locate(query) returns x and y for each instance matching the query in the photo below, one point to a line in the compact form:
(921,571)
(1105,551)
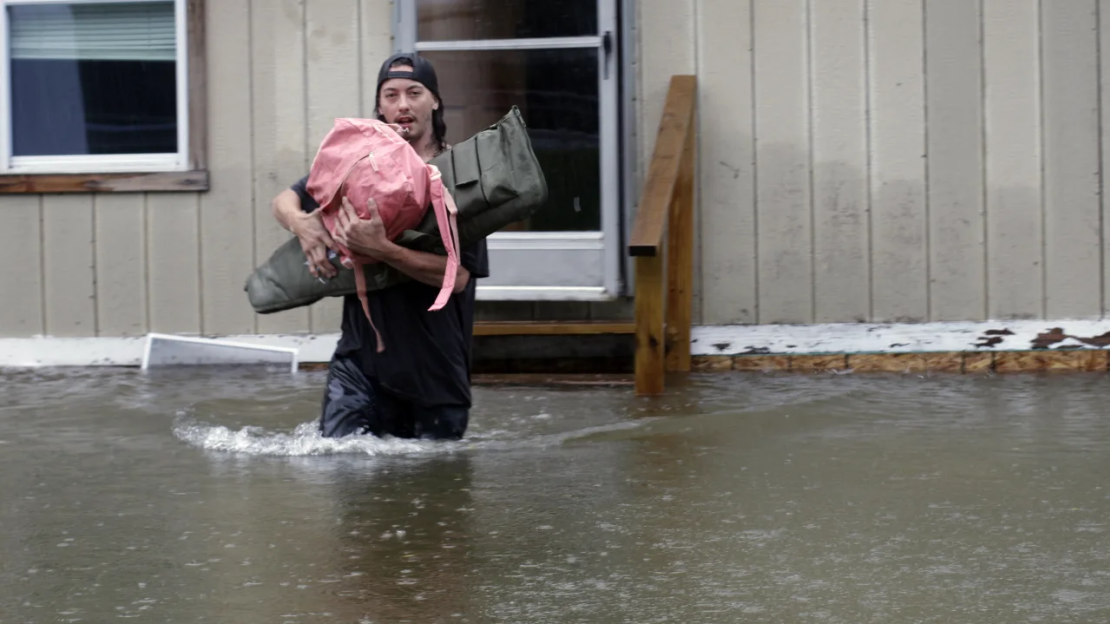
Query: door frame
(629,135)
(617,157)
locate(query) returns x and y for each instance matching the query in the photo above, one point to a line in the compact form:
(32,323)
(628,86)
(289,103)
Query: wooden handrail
(663,315)
(663,172)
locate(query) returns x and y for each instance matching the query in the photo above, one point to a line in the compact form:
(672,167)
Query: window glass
(465,20)
(93,79)
(557,93)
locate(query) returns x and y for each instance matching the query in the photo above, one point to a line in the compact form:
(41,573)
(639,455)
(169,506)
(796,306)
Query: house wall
(893,160)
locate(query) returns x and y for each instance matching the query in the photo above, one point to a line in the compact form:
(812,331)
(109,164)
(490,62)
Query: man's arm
(286,207)
(422,266)
(309,228)
(367,237)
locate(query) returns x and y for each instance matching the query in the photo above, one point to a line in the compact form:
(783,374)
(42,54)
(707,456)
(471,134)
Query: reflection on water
(201,496)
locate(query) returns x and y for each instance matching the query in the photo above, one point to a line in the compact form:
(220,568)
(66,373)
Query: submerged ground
(205,496)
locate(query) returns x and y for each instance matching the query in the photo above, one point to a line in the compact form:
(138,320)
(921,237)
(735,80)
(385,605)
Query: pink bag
(365,158)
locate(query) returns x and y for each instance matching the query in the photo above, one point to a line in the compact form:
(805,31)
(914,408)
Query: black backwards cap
(422,72)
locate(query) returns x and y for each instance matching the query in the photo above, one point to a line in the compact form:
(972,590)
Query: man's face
(408,104)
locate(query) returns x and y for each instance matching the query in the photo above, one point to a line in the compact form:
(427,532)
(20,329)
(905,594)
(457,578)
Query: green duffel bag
(495,179)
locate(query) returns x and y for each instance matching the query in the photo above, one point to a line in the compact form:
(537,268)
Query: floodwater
(206,496)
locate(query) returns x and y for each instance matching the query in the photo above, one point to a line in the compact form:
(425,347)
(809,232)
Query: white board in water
(168,350)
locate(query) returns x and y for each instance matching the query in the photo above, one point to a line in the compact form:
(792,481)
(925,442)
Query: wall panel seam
(699,280)
(146,261)
(95,268)
(758,312)
(930,313)
(983,164)
(200,263)
(42,265)
(361,59)
(810,163)
(304,107)
(1040,74)
(250,143)
(1101,161)
(870,159)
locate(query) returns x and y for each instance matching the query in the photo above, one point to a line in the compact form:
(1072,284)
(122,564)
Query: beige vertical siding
(727,168)
(69,265)
(915,159)
(21,271)
(954,122)
(1072,213)
(173,272)
(860,160)
(1015,209)
(226,211)
(838,113)
(784,244)
(119,228)
(899,270)
(1104,136)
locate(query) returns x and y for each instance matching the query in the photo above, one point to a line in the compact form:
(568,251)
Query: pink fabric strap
(446,212)
(360,284)
(446,217)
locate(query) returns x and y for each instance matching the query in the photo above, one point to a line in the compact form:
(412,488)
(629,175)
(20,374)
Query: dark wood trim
(551,379)
(105,182)
(198,86)
(551,328)
(195,180)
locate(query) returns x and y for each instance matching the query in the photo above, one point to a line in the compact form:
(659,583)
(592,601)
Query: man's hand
(315,241)
(366,237)
(309,230)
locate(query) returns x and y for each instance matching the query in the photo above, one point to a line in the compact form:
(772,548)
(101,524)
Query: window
(100,95)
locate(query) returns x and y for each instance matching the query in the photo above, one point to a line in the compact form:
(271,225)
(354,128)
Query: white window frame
(96,163)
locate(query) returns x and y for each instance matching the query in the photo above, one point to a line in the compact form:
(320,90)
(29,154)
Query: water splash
(304,440)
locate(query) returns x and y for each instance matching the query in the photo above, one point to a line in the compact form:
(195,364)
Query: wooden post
(650,360)
(680,258)
(666,209)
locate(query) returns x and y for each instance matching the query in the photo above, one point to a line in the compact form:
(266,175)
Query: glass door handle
(607,50)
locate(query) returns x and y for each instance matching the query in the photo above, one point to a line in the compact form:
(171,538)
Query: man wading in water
(420,386)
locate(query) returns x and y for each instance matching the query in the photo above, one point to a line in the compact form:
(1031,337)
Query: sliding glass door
(557,62)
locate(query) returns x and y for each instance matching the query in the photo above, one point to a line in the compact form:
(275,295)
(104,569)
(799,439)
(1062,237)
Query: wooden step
(555,379)
(552,328)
